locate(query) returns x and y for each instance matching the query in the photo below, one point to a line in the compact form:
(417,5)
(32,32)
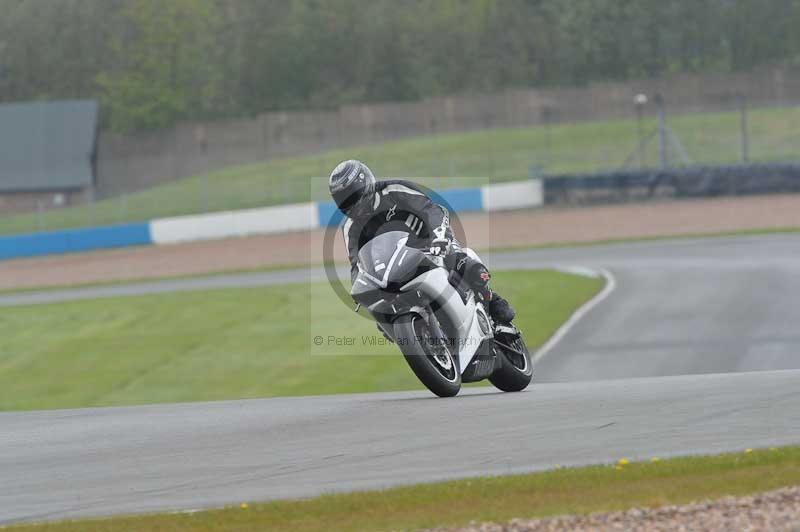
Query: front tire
(428,355)
(516,370)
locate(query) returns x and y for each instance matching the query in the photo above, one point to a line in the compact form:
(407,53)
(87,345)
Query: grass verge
(560,491)
(226,344)
(462,159)
(137,280)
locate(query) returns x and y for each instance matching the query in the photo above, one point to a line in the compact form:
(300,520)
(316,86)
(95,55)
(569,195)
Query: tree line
(153,62)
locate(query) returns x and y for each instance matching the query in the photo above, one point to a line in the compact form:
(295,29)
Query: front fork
(502,331)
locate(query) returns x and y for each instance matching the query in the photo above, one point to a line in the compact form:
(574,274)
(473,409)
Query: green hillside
(443,161)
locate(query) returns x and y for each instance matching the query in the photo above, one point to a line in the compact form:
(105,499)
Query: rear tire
(516,371)
(428,355)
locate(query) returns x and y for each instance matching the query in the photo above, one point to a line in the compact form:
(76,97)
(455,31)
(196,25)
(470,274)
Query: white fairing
(435,284)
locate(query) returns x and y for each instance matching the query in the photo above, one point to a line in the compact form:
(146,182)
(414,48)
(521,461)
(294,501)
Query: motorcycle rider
(374,207)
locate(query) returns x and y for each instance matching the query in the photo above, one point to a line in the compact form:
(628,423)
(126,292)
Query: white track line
(611,284)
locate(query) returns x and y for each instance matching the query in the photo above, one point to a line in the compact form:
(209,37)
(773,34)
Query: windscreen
(374,257)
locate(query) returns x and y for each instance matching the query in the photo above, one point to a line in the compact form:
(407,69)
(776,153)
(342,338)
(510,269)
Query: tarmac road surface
(665,365)
(58,464)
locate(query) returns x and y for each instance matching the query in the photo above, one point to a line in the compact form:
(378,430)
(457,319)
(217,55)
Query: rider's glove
(440,246)
(442,240)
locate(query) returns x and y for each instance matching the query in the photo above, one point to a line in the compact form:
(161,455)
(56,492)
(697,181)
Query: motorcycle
(445,334)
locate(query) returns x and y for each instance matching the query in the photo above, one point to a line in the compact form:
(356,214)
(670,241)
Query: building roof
(47,145)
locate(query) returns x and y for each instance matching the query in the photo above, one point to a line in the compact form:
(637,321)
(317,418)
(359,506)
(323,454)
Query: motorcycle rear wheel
(428,354)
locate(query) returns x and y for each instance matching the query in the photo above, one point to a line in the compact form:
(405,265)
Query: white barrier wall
(515,195)
(269,220)
(305,216)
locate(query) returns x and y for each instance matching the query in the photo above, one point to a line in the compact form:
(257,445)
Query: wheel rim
(437,352)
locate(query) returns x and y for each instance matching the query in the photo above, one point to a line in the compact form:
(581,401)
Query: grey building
(47,154)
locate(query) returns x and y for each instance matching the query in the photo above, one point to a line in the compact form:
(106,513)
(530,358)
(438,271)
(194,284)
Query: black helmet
(350,181)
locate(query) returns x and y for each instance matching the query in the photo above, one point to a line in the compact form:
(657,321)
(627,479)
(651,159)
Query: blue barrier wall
(489,197)
(328,214)
(74,240)
(459,199)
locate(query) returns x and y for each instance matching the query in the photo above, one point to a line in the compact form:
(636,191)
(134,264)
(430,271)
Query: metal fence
(682,121)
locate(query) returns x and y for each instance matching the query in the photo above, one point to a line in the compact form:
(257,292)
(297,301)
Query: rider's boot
(499,309)
(477,277)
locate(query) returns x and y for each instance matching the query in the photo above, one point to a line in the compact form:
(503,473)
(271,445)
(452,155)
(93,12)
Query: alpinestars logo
(391,213)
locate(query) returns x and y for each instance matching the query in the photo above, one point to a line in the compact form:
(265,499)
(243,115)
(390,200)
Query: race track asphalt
(665,365)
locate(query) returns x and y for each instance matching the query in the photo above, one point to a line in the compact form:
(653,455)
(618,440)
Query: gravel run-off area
(774,511)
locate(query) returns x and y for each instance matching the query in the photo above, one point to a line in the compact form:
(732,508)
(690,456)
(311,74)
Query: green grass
(225,344)
(467,158)
(499,499)
(135,280)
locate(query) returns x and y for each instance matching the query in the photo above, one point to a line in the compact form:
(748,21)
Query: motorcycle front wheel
(428,354)
(516,370)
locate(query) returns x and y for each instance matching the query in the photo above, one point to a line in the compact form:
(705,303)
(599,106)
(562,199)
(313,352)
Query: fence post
(547,116)
(39,215)
(639,102)
(206,194)
(124,201)
(743,134)
(94,210)
(662,132)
